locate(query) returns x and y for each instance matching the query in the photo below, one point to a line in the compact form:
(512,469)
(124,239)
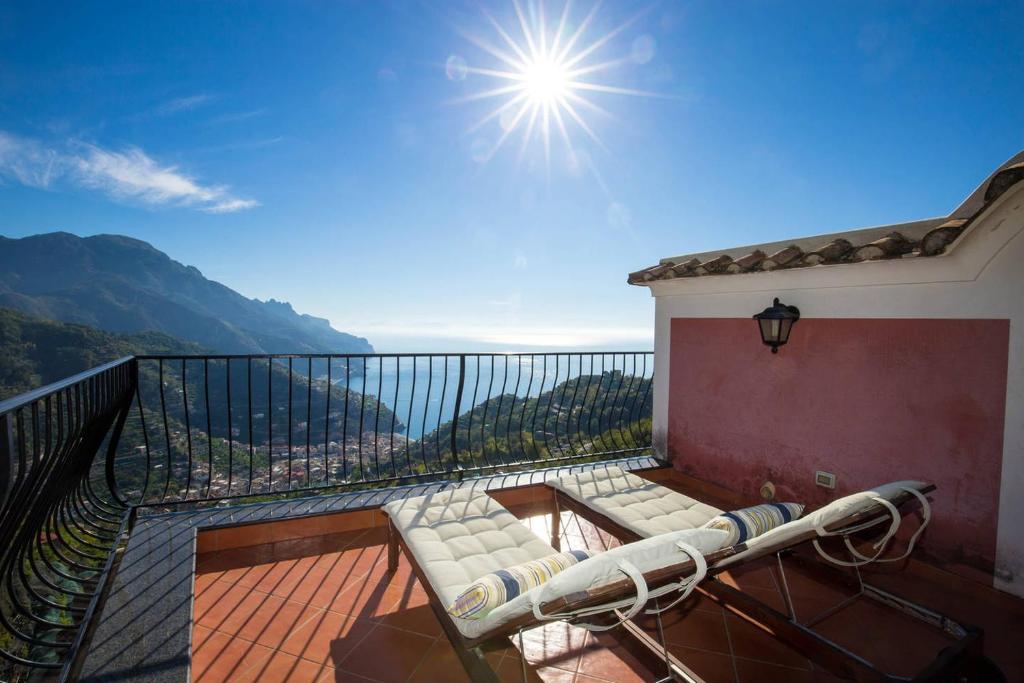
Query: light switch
(825,479)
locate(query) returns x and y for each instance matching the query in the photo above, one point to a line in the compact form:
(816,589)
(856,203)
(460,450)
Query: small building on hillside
(907,362)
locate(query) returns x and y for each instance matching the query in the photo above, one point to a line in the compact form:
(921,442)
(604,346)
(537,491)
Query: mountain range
(123,285)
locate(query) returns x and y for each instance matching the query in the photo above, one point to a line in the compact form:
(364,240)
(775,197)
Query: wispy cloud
(180,104)
(26,162)
(124,175)
(236,117)
(243,144)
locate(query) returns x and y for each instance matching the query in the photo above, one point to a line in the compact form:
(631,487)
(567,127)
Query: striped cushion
(748,523)
(497,588)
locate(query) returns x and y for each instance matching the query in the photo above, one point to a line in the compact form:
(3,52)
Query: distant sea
(431,400)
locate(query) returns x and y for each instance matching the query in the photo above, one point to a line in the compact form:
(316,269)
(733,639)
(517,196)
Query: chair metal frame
(801,636)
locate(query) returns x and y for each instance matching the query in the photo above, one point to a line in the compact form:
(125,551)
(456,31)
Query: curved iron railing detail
(60,518)
(78,456)
(223,427)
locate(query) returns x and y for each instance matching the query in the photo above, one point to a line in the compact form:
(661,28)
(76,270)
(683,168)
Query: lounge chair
(454,537)
(630,508)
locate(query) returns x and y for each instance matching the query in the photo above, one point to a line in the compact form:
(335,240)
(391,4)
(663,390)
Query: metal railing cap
(29,397)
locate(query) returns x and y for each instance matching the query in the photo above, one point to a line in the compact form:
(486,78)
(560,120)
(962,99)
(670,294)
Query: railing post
(115,436)
(458,407)
(6,459)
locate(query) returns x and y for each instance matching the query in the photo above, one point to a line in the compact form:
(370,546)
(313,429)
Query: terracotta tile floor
(325,609)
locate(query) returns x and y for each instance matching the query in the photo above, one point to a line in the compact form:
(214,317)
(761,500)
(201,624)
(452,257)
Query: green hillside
(588,414)
(34,351)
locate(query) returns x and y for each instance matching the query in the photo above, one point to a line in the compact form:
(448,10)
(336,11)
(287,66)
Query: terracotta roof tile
(714,266)
(917,239)
(892,245)
(655,272)
(1003,180)
(686,268)
(833,252)
(747,263)
(783,258)
(936,240)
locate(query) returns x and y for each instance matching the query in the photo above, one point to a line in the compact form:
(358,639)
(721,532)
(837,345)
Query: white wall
(982,277)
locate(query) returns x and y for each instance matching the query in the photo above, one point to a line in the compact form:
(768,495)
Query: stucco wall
(870,400)
(982,279)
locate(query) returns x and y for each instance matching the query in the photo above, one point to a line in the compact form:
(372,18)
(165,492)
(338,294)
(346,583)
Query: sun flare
(546,81)
(543,76)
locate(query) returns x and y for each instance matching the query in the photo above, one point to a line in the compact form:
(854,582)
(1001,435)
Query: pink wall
(869,400)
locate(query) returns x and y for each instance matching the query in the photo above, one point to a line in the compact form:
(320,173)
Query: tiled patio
(323,608)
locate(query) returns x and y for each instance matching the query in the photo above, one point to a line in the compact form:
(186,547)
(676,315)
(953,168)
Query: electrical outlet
(825,479)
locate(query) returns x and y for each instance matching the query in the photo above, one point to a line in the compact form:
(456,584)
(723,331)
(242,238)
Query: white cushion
(492,590)
(646,555)
(750,522)
(603,568)
(457,536)
(647,508)
(823,517)
(639,505)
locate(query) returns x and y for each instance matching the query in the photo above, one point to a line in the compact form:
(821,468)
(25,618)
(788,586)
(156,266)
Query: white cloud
(231,205)
(27,162)
(237,117)
(179,104)
(130,175)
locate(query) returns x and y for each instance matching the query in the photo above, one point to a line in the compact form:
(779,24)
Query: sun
(545,81)
(543,75)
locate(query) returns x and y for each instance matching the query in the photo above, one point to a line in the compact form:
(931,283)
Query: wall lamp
(775,323)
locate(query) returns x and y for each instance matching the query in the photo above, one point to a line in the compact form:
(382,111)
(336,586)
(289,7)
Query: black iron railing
(79,456)
(59,521)
(217,427)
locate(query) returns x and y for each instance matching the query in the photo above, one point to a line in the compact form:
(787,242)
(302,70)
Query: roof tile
(1003,180)
(936,241)
(833,252)
(746,263)
(782,258)
(685,269)
(715,265)
(892,245)
(657,271)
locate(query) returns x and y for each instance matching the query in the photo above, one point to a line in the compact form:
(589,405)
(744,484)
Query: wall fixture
(775,323)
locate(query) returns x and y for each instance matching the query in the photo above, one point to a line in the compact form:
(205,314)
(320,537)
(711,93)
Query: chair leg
(476,665)
(652,653)
(392,547)
(556,522)
(472,657)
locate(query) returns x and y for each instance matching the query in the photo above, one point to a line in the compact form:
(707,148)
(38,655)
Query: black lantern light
(776,322)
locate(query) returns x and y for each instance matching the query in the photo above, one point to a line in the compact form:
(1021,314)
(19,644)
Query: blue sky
(321,153)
